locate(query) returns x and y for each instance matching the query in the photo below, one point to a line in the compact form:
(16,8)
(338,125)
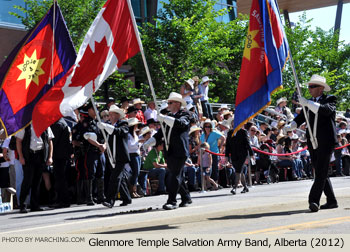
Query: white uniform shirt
(36,143)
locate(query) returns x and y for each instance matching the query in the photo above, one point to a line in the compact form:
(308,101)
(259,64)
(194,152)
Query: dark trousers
(96,163)
(61,186)
(176,180)
(32,173)
(207,111)
(320,159)
(118,183)
(215,168)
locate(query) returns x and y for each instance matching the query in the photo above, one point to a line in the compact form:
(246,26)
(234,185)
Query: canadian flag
(110,41)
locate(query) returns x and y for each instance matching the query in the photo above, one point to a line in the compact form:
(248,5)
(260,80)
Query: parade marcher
(80,152)
(118,132)
(62,150)
(95,159)
(177,126)
(238,148)
(321,111)
(35,153)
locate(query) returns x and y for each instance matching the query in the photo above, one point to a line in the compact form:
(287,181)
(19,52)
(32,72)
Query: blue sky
(325,19)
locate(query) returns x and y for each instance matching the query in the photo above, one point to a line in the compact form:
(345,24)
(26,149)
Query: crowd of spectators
(78,167)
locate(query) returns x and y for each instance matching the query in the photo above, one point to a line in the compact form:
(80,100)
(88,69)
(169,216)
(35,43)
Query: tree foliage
(189,39)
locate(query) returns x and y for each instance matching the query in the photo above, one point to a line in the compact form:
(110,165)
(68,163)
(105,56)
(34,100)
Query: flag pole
(146,67)
(109,153)
(297,84)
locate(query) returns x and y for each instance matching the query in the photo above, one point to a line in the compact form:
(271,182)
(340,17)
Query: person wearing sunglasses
(321,111)
(177,126)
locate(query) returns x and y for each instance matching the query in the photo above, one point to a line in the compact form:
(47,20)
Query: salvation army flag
(32,68)
(110,41)
(265,54)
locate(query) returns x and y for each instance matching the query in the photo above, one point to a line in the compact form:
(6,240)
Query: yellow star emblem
(250,43)
(31,69)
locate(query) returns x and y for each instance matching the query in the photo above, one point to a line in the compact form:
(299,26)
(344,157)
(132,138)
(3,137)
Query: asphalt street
(279,208)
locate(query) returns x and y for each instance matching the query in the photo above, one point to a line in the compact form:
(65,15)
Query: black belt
(35,151)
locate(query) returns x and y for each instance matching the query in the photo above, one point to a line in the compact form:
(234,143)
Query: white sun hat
(177,97)
(116,109)
(319,80)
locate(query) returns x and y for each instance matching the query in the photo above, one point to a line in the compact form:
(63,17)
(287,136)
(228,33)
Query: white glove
(167,119)
(105,126)
(303,101)
(160,118)
(90,135)
(149,143)
(101,125)
(313,106)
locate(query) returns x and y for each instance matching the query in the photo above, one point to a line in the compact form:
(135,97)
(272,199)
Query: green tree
(187,40)
(317,52)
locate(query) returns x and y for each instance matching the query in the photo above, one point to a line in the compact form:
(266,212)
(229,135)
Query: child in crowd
(207,161)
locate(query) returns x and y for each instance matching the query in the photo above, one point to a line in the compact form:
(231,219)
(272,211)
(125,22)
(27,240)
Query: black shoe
(185,203)
(245,190)
(23,209)
(169,206)
(233,191)
(108,203)
(313,207)
(329,205)
(125,203)
(36,209)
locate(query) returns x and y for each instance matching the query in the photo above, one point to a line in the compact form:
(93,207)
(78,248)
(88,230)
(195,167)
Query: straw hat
(136,101)
(282,99)
(144,130)
(280,124)
(208,121)
(133,121)
(193,129)
(177,97)
(225,123)
(319,80)
(116,109)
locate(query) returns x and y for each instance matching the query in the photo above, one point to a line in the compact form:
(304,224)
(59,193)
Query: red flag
(265,54)
(32,67)
(110,41)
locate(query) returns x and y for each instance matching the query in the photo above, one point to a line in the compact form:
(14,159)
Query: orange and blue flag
(265,54)
(40,60)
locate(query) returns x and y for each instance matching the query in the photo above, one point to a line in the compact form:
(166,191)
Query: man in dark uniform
(80,155)
(62,150)
(96,161)
(177,125)
(118,141)
(321,112)
(238,149)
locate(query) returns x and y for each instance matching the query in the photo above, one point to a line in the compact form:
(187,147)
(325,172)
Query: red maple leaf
(91,65)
